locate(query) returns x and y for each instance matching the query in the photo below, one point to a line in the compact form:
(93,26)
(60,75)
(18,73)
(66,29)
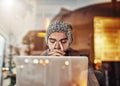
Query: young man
(58,40)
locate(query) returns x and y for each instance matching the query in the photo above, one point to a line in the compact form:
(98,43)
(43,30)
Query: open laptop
(51,71)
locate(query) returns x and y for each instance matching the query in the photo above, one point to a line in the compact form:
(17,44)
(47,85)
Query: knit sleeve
(92,80)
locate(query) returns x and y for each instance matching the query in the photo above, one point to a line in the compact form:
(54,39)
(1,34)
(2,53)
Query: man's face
(58,40)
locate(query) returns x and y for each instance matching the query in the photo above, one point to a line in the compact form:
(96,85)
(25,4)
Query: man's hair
(60,26)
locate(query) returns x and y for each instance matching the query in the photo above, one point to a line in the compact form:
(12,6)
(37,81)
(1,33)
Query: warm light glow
(26,60)
(97,61)
(5,69)
(21,66)
(35,61)
(41,61)
(47,23)
(14,73)
(66,62)
(46,61)
(83,80)
(99,40)
(41,34)
(106,39)
(8,4)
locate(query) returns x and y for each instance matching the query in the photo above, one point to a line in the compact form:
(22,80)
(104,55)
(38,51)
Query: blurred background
(96,32)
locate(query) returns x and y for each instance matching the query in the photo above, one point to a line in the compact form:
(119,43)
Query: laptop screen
(52,71)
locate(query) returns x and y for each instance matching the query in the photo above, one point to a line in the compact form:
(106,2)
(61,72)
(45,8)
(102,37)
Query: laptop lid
(51,71)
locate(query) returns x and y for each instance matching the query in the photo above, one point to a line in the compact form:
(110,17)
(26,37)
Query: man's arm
(92,80)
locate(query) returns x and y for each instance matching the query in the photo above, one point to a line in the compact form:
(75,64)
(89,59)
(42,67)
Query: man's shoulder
(73,52)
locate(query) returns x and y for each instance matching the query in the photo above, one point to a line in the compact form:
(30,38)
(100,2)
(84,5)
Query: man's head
(58,35)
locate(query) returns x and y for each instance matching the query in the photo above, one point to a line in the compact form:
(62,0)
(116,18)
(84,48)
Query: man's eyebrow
(52,39)
(64,39)
(60,39)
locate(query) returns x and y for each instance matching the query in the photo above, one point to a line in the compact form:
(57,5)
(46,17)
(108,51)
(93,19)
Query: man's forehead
(58,35)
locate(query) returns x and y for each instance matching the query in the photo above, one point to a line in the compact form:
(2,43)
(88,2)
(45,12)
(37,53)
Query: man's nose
(57,46)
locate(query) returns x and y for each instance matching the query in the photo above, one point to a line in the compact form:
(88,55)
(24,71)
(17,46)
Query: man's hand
(57,52)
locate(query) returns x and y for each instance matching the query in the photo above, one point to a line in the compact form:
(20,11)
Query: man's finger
(56,51)
(62,53)
(54,45)
(54,54)
(61,46)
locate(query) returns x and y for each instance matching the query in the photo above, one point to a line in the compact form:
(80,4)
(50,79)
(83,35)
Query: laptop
(51,71)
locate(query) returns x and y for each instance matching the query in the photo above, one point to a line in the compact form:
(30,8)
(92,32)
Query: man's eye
(52,41)
(63,41)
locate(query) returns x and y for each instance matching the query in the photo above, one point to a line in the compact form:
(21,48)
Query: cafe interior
(96,34)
